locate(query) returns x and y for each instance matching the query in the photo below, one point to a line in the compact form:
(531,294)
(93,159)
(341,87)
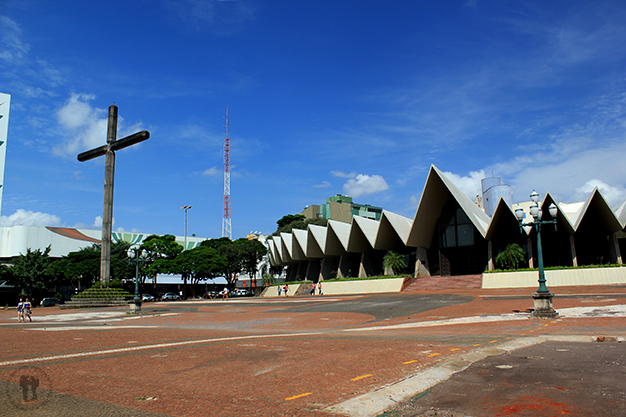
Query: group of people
(284,289)
(23,311)
(319,288)
(314,286)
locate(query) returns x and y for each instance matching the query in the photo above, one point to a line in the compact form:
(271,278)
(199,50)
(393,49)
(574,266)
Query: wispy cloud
(212,171)
(342,174)
(13,49)
(215,16)
(324,184)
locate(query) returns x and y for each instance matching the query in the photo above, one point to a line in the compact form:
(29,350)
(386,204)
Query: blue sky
(325,97)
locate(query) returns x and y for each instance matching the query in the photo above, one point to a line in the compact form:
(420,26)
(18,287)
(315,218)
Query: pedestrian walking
(313,289)
(319,287)
(26,311)
(225,294)
(286,289)
(20,311)
(280,290)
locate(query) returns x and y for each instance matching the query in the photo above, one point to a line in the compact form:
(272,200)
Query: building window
(456,232)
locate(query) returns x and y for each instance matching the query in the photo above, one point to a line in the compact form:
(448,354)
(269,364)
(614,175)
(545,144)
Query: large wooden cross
(109,174)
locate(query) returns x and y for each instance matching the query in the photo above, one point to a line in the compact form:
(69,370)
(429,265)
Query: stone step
(94,302)
(446,283)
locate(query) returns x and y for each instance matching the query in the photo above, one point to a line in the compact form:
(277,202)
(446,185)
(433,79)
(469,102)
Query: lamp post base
(135,306)
(543,306)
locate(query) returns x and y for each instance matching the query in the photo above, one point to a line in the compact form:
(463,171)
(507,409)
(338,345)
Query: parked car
(170,296)
(147,297)
(48,302)
(243,293)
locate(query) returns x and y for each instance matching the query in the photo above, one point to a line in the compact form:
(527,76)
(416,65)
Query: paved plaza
(467,351)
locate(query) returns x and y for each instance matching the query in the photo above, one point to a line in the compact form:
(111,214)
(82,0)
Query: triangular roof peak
(338,245)
(362,234)
(434,196)
(605,212)
(393,229)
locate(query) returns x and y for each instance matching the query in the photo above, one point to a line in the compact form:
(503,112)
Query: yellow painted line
(522,334)
(298,396)
(545,325)
(433,354)
(507,338)
(477,344)
(361,377)
(408,362)
(553,321)
(531,331)
(452,350)
(493,341)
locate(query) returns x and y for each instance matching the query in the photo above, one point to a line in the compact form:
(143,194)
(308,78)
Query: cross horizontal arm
(130,140)
(94,153)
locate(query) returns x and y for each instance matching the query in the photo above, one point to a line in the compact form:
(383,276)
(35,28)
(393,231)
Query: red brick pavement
(203,372)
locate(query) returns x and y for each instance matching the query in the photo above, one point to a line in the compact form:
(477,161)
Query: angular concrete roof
(393,228)
(502,212)
(620,212)
(319,239)
(300,244)
(607,216)
(337,237)
(272,252)
(436,192)
(362,234)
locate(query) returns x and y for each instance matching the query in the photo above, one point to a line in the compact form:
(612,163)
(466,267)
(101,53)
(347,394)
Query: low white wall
(556,278)
(347,287)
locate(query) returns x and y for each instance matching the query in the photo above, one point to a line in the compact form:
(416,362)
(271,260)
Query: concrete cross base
(135,307)
(543,306)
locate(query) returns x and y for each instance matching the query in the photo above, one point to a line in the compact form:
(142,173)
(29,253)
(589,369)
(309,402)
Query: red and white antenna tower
(226,226)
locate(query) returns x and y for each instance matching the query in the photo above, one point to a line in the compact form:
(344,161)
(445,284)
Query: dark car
(48,302)
(170,296)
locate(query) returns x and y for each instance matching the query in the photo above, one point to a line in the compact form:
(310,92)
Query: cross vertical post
(107,207)
(108,151)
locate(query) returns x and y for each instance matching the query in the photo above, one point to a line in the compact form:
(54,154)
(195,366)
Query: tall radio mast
(226,226)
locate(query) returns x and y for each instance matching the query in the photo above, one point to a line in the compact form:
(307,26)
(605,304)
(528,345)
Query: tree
(199,264)
(289,218)
(30,272)
(511,257)
(241,255)
(162,252)
(296,221)
(252,252)
(394,261)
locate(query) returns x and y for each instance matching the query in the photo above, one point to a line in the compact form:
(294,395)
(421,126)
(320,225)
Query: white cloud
(29,218)
(84,126)
(341,174)
(613,195)
(364,185)
(471,185)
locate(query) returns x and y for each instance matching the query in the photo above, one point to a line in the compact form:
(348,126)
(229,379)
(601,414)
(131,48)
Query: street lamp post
(543,297)
(136,257)
(185,208)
